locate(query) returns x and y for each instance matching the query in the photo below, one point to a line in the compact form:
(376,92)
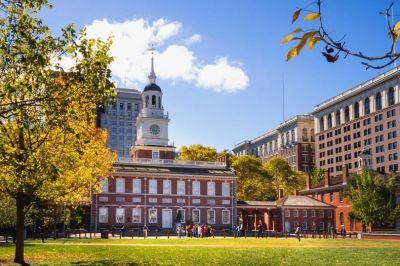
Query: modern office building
(292,140)
(119,118)
(362,120)
(355,129)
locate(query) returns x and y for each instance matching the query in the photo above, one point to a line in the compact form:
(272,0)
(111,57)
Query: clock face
(154,129)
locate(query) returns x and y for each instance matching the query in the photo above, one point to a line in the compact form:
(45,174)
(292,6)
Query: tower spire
(152,76)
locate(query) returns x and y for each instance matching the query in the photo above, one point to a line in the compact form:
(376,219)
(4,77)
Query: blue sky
(247,34)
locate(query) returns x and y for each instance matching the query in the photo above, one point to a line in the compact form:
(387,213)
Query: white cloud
(222,76)
(173,61)
(193,39)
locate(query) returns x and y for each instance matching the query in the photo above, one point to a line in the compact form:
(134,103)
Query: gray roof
(303,201)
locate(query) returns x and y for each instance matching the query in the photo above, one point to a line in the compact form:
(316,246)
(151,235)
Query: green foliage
(373,198)
(198,152)
(252,179)
(283,177)
(51,151)
(317,175)
(8,216)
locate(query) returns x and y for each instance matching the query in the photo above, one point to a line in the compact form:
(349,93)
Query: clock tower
(152,123)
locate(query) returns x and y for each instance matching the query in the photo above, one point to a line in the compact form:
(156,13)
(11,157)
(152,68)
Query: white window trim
(229,217)
(139,181)
(181,191)
(183,219)
(167,191)
(196,192)
(104,187)
(153,181)
(210,192)
(209,216)
(197,210)
(106,216)
(295,213)
(287,213)
(153,222)
(304,212)
(116,215)
(227,191)
(121,190)
(140,215)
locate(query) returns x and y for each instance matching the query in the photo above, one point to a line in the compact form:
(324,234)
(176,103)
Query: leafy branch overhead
(334,47)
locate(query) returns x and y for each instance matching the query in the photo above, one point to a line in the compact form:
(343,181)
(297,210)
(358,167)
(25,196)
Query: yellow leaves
(312,16)
(292,53)
(308,36)
(296,15)
(312,42)
(395,32)
(287,38)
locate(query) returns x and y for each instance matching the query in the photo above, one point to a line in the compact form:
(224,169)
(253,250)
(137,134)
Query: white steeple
(152,76)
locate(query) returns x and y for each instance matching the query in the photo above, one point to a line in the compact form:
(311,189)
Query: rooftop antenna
(283,96)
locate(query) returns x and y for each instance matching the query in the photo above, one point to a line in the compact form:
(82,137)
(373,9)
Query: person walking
(260,230)
(297,232)
(145,231)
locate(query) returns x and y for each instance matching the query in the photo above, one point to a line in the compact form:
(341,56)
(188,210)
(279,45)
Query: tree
(373,198)
(317,175)
(198,152)
(7,212)
(283,177)
(51,151)
(252,179)
(336,46)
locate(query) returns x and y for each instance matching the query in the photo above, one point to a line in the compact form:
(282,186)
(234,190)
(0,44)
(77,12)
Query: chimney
(326,177)
(345,174)
(280,195)
(308,181)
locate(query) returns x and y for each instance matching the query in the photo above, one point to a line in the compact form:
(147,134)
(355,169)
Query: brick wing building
(152,188)
(286,213)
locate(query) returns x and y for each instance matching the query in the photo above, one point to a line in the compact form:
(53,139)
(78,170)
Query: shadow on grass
(103,262)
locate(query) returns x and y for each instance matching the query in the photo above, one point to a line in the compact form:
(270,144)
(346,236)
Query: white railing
(170,162)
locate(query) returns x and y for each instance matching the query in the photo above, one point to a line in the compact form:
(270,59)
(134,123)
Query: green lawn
(216,251)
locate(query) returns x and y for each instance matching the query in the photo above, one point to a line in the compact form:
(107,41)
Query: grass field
(216,251)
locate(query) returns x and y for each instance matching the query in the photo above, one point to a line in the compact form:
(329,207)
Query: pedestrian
(41,230)
(178,231)
(297,232)
(260,230)
(343,232)
(145,231)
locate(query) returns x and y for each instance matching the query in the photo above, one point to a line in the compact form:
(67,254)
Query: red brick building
(154,189)
(285,214)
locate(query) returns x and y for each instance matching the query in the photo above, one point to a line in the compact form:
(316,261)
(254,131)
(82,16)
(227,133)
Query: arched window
(147,100)
(287,138)
(391,96)
(321,124)
(153,100)
(341,216)
(312,134)
(304,134)
(356,110)
(378,101)
(293,137)
(330,121)
(346,114)
(159,102)
(338,122)
(367,108)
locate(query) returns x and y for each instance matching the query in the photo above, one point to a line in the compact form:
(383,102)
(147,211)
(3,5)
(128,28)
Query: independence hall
(357,128)
(153,189)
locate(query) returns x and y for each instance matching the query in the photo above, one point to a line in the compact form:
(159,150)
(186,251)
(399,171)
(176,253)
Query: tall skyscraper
(119,118)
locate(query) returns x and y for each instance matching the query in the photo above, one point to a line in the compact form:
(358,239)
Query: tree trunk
(19,246)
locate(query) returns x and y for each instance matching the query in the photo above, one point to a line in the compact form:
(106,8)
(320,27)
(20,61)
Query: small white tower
(364,159)
(152,123)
